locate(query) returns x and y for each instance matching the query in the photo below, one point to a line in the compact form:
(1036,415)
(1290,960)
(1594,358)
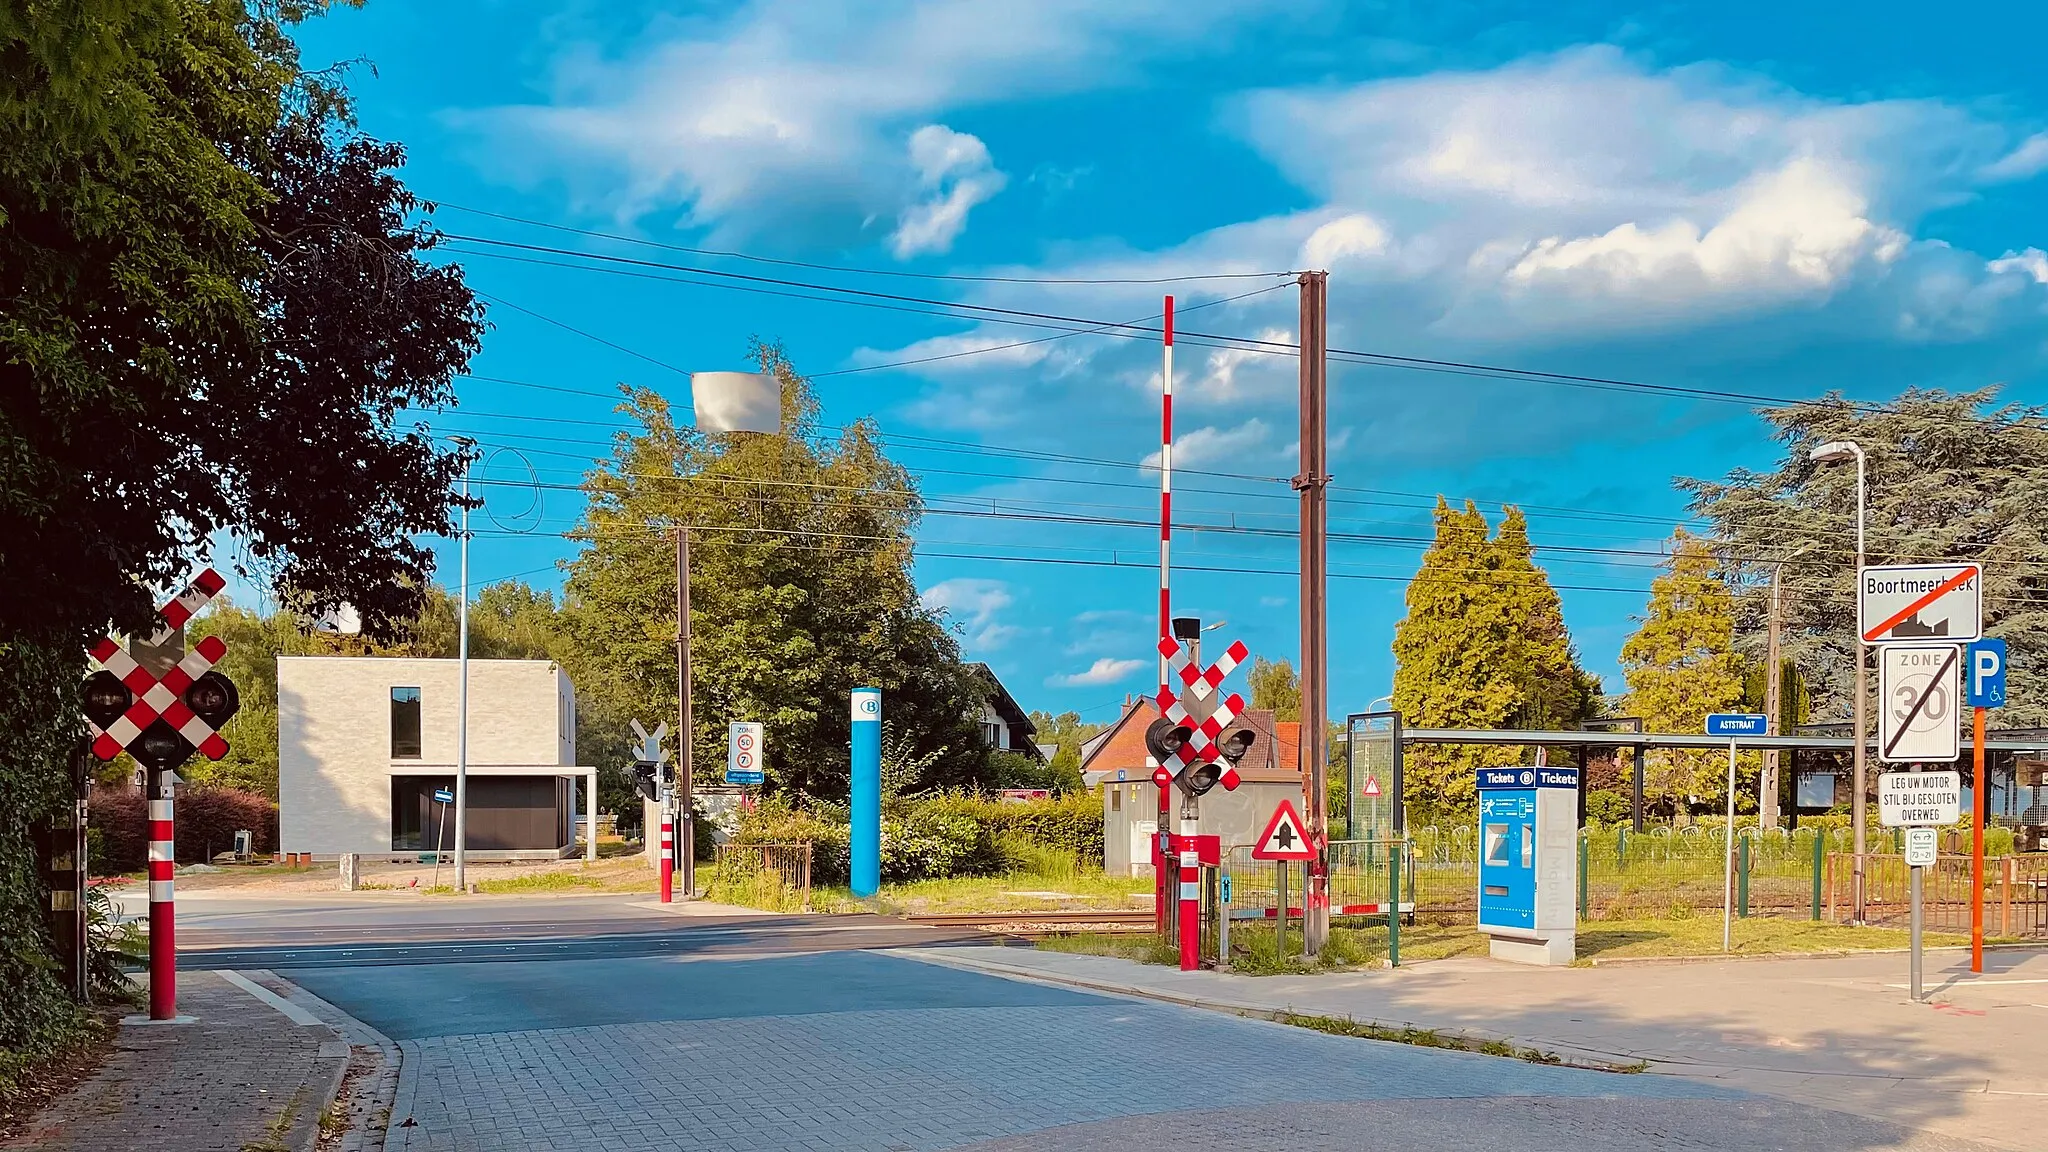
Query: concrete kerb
(377,1060)
(1839,954)
(1569,1055)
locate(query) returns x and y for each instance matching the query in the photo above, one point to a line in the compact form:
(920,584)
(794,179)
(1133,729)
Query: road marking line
(292,1012)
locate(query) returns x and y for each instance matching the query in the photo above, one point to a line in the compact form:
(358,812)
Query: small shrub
(934,844)
(1607,807)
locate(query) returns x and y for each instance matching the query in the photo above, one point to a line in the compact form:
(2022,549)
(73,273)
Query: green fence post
(1742,880)
(1585,857)
(1394,904)
(1620,847)
(1820,857)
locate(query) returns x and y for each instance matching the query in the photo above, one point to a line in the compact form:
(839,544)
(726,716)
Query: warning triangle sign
(1372,786)
(1285,838)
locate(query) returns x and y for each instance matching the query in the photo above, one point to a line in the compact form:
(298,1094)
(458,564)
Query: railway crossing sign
(162,719)
(744,745)
(649,750)
(1200,681)
(1200,745)
(1919,688)
(1909,603)
(1285,837)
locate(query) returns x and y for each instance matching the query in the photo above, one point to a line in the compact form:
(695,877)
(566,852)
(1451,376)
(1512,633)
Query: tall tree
(213,311)
(1952,476)
(1483,646)
(1681,665)
(1275,685)
(800,591)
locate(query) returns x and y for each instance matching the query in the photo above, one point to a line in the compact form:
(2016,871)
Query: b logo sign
(1987,674)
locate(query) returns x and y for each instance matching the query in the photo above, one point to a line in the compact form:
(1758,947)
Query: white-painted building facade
(364,743)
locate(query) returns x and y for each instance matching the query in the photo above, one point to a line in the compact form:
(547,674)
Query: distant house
(365,742)
(1004,723)
(1114,762)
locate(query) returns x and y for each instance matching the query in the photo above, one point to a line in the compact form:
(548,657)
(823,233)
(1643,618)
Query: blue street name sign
(445,795)
(1736,724)
(743,776)
(1987,674)
(1528,777)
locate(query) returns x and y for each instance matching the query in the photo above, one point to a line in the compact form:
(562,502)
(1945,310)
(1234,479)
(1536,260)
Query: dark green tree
(1951,475)
(1275,685)
(800,591)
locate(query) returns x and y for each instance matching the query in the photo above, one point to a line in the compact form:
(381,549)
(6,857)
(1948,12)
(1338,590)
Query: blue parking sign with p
(1987,674)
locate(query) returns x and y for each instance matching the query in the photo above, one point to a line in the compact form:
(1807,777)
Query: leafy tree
(213,311)
(1275,685)
(1951,475)
(1067,732)
(1680,666)
(800,591)
(1483,646)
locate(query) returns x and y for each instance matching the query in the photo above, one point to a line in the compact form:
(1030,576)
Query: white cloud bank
(1103,671)
(976,604)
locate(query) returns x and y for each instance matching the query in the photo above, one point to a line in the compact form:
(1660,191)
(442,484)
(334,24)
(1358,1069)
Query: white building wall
(334,762)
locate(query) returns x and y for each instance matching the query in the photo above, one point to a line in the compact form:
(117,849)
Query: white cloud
(2033,262)
(1103,671)
(790,115)
(1799,228)
(2028,160)
(1218,447)
(1349,237)
(976,604)
(955,171)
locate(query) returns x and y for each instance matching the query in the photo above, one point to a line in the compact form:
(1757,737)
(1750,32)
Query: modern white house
(365,742)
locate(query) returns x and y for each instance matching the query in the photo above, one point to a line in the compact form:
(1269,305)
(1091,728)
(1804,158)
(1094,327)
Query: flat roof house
(363,742)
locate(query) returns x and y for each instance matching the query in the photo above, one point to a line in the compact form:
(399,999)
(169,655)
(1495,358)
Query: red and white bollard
(668,856)
(163,944)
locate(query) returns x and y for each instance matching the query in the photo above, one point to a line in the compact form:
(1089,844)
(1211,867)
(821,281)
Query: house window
(991,734)
(1116,799)
(405,723)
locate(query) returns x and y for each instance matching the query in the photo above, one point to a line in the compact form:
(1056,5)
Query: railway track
(1036,924)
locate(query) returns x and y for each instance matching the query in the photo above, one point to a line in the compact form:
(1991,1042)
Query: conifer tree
(1680,666)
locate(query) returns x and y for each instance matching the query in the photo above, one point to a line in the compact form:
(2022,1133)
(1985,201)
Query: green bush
(1607,807)
(775,821)
(934,844)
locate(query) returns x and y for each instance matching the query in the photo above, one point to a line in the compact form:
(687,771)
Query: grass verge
(1431,1038)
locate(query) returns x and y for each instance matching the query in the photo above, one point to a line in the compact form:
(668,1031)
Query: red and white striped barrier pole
(1190,905)
(1162,902)
(163,944)
(668,855)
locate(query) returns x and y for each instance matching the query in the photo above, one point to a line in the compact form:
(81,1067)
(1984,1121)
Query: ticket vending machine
(1529,863)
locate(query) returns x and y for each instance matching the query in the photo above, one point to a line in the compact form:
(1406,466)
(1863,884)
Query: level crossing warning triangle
(1372,786)
(1284,838)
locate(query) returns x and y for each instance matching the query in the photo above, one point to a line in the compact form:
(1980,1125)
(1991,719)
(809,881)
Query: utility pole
(1312,482)
(685,826)
(462,699)
(1767,788)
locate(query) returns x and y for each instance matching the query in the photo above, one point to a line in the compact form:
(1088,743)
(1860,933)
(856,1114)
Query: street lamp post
(1838,452)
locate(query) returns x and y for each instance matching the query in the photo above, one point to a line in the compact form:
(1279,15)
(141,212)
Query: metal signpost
(1919,802)
(1987,690)
(745,743)
(444,797)
(651,760)
(1733,725)
(160,716)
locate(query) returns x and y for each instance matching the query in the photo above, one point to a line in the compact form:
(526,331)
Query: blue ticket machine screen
(1507,858)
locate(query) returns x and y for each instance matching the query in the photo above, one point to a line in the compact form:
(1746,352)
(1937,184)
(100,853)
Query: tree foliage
(1951,476)
(213,310)
(1681,665)
(1277,686)
(800,591)
(1483,645)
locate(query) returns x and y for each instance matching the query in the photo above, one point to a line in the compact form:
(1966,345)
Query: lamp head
(1836,452)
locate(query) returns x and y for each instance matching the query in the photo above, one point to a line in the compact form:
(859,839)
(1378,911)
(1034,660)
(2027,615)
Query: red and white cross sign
(1201,681)
(163,697)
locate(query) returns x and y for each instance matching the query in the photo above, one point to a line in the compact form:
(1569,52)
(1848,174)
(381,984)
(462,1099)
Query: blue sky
(1765,198)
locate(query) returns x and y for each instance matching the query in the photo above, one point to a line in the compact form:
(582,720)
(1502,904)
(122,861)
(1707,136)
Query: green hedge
(951,834)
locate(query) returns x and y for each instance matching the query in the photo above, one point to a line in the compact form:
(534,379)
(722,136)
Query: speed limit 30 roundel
(1918,705)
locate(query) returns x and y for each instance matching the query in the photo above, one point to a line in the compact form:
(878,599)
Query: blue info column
(865,842)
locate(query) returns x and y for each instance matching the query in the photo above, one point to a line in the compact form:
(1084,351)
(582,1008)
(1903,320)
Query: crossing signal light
(1164,739)
(1232,747)
(213,698)
(106,698)
(643,779)
(1201,777)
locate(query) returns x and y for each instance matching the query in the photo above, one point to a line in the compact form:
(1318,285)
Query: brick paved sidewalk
(241,1076)
(1836,1033)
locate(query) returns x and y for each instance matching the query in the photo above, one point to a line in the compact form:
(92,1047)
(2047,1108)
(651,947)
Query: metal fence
(776,877)
(2015,892)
